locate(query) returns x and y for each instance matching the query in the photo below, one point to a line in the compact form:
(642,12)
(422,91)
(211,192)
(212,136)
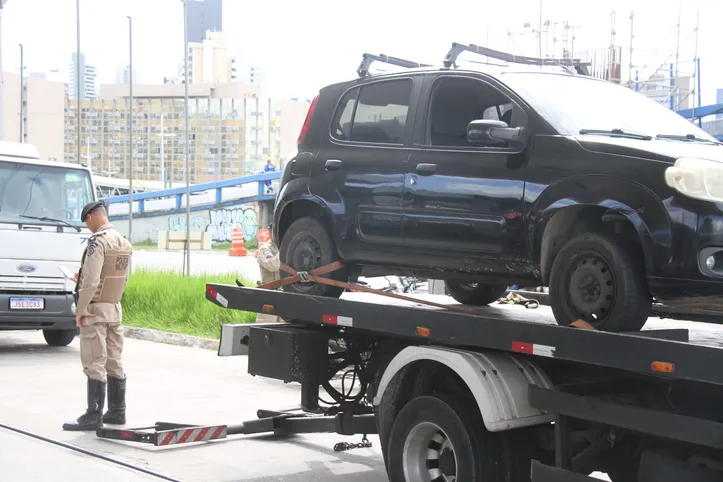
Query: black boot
(91,419)
(116,414)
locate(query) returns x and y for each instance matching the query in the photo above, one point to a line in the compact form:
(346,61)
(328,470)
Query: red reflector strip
(211,292)
(220,432)
(126,435)
(168,438)
(533,349)
(337,320)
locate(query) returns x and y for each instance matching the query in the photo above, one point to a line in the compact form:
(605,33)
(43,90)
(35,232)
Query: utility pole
(130,129)
(77,67)
(674,81)
(630,65)
(22,96)
(539,34)
(188,153)
(2,107)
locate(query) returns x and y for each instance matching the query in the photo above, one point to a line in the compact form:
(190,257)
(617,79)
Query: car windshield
(573,103)
(30,191)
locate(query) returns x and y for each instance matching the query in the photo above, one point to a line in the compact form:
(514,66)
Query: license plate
(27,303)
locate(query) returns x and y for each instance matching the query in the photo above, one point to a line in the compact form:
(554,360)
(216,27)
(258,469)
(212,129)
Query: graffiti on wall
(224,220)
(178,223)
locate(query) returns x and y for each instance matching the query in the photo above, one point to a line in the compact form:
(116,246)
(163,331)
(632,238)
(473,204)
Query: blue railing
(218,186)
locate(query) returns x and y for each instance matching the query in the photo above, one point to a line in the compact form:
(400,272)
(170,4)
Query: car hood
(657,149)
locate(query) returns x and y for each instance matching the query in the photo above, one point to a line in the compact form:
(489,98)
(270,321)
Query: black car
(508,176)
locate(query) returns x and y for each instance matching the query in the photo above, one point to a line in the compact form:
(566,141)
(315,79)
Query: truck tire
(306,245)
(600,279)
(476,294)
(59,337)
(433,436)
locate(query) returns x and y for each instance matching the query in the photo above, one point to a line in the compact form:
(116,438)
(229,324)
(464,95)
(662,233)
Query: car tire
(307,245)
(59,337)
(476,294)
(600,279)
(433,436)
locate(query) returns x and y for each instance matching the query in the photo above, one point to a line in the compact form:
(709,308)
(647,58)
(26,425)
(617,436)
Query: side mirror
(488,132)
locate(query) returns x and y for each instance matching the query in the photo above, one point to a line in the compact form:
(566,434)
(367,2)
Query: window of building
(379,113)
(457,101)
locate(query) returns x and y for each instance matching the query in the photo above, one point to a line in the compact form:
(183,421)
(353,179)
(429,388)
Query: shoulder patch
(92,244)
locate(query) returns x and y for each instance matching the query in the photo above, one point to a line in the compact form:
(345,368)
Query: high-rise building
(203,15)
(88,79)
(209,62)
(123,74)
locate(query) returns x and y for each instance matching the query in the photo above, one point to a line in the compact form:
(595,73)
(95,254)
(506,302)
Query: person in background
(104,270)
(269,167)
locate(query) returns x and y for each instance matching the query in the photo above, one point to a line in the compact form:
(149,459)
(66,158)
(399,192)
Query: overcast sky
(305,45)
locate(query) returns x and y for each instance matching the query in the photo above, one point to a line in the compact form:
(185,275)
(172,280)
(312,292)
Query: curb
(147,334)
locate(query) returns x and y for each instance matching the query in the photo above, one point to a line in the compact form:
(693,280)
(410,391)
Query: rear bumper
(59,313)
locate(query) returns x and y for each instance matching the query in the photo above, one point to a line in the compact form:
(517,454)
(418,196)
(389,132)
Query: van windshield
(32,191)
(572,103)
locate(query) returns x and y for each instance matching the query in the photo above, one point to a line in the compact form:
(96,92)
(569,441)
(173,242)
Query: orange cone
(237,243)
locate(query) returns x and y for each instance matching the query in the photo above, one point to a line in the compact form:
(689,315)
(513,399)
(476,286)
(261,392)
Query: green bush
(169,301)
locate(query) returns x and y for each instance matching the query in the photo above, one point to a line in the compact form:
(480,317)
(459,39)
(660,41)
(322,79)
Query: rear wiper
(616,133)
(52,220)
(685,137)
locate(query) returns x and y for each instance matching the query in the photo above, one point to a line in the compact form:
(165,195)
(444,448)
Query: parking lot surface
(42,387)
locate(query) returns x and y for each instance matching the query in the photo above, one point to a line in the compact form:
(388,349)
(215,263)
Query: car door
(364,164)
(464,200)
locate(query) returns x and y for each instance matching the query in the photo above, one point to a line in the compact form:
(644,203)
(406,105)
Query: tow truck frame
(589,376)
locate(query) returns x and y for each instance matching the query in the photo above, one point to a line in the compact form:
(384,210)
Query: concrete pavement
(42,387)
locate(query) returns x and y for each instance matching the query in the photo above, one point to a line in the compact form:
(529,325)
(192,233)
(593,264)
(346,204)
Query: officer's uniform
(103,276)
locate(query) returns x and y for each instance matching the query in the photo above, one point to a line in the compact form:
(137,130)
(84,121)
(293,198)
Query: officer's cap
(90,207)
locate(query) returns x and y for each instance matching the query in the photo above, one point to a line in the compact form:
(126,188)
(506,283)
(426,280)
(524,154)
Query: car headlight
(697,178)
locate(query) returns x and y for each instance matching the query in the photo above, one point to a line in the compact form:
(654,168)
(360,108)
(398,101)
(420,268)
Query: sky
(302,46)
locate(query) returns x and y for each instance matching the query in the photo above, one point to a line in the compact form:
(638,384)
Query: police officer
(99,288)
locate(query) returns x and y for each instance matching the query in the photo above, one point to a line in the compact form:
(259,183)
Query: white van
(42,239)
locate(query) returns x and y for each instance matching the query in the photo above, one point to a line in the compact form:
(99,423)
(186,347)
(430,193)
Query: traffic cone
(237,243)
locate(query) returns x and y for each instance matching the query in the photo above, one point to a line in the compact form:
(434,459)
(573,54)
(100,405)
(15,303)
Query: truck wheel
(59,337)
(307,245)
(439,439)
(476,294)
(601,280)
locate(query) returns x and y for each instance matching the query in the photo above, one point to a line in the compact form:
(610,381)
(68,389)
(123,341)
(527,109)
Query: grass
(169,301)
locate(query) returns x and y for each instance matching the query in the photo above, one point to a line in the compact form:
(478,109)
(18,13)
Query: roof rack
(451,59)
(368,59)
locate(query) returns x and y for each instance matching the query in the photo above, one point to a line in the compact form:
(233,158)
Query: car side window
(374,113)
(457,101)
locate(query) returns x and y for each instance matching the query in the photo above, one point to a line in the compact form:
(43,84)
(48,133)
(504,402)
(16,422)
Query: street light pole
(188,153)
(77,67)
(22,96)
(2,110)
(130,139)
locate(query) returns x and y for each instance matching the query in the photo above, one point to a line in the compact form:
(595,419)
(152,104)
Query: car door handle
(426,169)
(333,164)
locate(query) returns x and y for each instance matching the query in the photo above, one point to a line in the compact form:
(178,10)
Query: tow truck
(483,394)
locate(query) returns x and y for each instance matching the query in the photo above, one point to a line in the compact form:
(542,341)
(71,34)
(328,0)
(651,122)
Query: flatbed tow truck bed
(561,402)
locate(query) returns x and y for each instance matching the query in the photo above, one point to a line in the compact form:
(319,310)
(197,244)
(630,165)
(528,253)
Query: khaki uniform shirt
(103,275)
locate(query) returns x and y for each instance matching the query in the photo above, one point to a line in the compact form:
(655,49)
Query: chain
(342,446)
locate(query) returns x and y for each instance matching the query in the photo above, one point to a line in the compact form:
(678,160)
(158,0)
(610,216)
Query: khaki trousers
(101,348)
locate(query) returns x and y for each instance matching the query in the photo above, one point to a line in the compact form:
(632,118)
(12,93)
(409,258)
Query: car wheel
(59,337)
(600,279)
(306,246)
(441,439)
(477,294)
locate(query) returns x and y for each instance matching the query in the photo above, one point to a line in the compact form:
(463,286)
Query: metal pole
(130,129)
(77,67)
(163,164)
(2,110)
(188,153)
(22,96)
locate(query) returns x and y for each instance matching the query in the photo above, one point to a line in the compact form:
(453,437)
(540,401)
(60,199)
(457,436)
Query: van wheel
(477,294)
(59,337)
(306,246)
(600,279)
(442,439)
